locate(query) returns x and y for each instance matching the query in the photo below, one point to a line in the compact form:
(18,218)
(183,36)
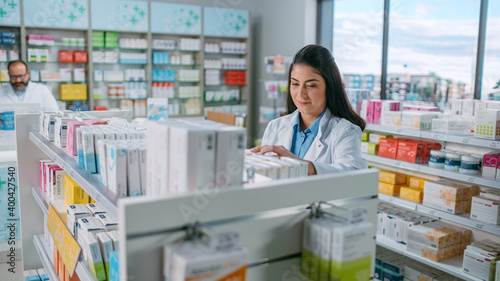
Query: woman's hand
(281,151)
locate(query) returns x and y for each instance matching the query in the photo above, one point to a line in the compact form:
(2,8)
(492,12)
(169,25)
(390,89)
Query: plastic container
(452,162)
(437,159)
(470,165)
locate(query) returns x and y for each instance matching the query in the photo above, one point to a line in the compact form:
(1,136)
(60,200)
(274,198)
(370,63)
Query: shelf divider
(89,182)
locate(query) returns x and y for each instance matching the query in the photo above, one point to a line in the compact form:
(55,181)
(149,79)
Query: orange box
(391,177)
(388,147)
(417,183)
(411,151)
(80,56)
(411,194)
(74,278)
(62,269)
(65,56)
(389,189)
(56,259)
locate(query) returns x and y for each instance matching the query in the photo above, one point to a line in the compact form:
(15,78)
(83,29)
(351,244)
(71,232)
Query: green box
(365,136)
(111,35)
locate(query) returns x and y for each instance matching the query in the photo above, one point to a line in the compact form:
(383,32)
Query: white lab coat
(35,93)
(336,148)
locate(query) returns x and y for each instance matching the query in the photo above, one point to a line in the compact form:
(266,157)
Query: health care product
(116,165)
(61,131)
(437,159)
(487,124)
(107,222)
(31,275)
(415,182)
(411,151)
(93,252)
(411,194)
(417,120)
(369,148)
(392,177)
(392,269)
(106,245)
(490,161)
(375,138)
(114,237)
(493,194)
(388,147)
(73,193)
(480,259)
(43,275)
(56,183)
(338,249)
(485,210)
(197,261)
(75,212)
(389,188)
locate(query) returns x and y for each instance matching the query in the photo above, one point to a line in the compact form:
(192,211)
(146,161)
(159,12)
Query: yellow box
(391,177)
(80,91)
(416,182)
(74,194)
(373,148)
(73,91)
(365,136)
(92,200)
(412,194)
(389,189)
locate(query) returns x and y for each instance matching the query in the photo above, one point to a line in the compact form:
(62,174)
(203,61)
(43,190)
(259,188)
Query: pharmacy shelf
(120,81)
(219,85)
(45,256)
(184,98)
(175,50)
(463,219)
(106,99)
(61,81)
(72,100)
(40,199)
(432,171)
(209,68)
(57,46)
(89,182)
(82,268)
(54,62)
(451,266)
(469,140)
(176,65)
(220,53)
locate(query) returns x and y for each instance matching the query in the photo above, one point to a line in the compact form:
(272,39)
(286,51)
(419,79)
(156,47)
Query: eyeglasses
(14,77)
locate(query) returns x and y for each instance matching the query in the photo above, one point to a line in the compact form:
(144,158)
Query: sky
(438,36)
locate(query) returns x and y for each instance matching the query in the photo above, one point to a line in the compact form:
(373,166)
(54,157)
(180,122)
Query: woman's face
(308,90)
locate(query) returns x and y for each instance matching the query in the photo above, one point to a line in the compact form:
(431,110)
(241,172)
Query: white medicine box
(488,124)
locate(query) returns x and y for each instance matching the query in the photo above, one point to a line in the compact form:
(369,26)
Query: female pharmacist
(320,125)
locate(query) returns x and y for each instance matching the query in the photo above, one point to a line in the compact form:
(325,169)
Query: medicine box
(478,265)
(73,193)
(107,222)
(411,194)
(75,212)
(449,206)
(490,165)
(391,118)
(419,272)
(416,182)
(388,147)
(445,190)
(392,177)
(431,253)
(116,170)
(375,138)
(487,124)
(430,234)
(411,151)
(389,189)
(485,210)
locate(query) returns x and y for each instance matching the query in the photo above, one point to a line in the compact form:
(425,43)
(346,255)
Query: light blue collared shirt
(302,140)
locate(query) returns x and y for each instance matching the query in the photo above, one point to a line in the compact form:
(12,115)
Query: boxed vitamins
(107,222)
(75,212)
(449,206)
(391,177)
(95,209)
(388,147)
(411,194)
(485,210)
(389,189)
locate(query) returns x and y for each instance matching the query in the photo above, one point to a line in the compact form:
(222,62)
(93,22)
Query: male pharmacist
(21,90)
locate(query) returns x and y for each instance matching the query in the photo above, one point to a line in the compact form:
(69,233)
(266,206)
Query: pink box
(490,162)
(498,167)
(48,172)
(42,172)
(71,142)
(377,112)
(95,122)
(369,111)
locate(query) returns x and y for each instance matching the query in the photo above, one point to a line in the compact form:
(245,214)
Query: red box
(411,151)
(100,107)
(235,77)
(80,56)
(388,147)
(65,56)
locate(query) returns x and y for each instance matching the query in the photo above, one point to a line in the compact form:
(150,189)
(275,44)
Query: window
(490,88)
(357,43)
(432,50)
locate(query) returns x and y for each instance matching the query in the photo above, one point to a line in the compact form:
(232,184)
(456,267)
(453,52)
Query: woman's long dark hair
(319,58)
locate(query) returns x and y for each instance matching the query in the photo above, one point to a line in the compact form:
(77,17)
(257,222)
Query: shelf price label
(437,136)
(466,140)
(495,144)
(471,179)
(479,226)
(65,243)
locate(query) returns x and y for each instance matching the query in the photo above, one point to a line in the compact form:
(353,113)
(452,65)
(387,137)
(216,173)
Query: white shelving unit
(469,140)
(479,229)
(489,182)
(267,216)
(462,219)
(451,266)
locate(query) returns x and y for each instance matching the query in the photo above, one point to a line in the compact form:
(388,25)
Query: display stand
(268,217)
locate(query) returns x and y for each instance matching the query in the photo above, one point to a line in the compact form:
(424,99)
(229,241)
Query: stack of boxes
(73,91)
(101,39)
(235,77)
(437,241)
(481,260)
(486,207)
(448,196)
(390,183)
